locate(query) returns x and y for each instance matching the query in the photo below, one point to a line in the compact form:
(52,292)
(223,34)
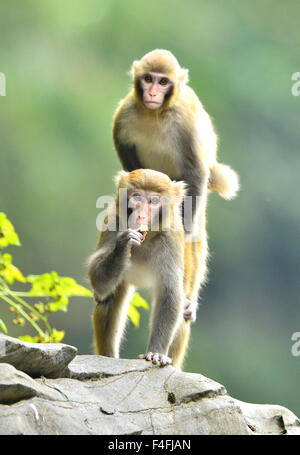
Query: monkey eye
(164,81)
(155,200)
(148,78)
(137,197)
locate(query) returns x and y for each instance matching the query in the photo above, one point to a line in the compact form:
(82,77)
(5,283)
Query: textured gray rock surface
(36,359)
(99,395)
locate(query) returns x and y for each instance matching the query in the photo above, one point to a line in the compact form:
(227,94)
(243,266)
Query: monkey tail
(224,180)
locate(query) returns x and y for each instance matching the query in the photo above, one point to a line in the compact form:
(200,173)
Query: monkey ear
(179,190)
(121,179)
(133,69)
(184,76)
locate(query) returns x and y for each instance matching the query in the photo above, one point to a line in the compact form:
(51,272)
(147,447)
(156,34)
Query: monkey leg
(195,274)
(109,319)
(180,343)
(195,259)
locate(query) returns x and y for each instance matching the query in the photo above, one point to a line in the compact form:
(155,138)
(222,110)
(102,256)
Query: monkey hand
(129,238)
(189,312)
(155,357)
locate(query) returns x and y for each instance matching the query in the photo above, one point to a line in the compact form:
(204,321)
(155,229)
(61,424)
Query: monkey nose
(141,219)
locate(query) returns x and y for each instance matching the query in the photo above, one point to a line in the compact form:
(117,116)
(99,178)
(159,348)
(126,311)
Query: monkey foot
(155,357)
(189,312)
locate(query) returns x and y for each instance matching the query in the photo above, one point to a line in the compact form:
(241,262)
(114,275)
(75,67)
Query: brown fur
(179,140)
(110,318)
(158,263)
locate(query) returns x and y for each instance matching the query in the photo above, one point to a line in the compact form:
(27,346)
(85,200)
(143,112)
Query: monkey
(162,125)
(148,252)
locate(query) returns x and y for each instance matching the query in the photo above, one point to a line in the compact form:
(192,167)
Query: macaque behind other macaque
(162,125)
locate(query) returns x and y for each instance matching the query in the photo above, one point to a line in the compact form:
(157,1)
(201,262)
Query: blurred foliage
(65,65)
(53,289)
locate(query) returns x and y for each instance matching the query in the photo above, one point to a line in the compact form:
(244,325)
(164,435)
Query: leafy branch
(50,291)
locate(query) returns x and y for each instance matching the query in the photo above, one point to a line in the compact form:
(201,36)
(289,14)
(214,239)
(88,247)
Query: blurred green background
(65,64)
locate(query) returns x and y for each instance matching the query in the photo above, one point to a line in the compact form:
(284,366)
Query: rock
(270,419)
(16,386)
(96,366)
(36,359)
(101,395)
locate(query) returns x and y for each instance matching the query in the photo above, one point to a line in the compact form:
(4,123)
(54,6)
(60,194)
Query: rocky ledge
(45,389)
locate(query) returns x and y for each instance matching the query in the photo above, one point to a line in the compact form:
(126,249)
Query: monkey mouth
(152,102)
(143,229)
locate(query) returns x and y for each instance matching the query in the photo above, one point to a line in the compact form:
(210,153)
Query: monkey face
(144,207)
(147,198)
(156,88)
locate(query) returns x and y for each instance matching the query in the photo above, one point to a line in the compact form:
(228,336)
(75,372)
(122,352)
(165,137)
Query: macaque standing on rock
(149,253)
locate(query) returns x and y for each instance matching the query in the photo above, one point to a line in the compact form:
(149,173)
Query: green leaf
(138,301)
(60,305)
(56,286)
(8,236)
(133,315)
(70,288)
(3,326)
(41,284)
(30,339)
(56,336)
(9,272)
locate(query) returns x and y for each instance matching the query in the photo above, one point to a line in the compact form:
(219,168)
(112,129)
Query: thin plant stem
(24,314)
(16,296)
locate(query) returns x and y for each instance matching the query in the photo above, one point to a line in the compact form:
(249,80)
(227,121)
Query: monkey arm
(128,157)
(195,172)
(197,189)
(126,151)
(107,264)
